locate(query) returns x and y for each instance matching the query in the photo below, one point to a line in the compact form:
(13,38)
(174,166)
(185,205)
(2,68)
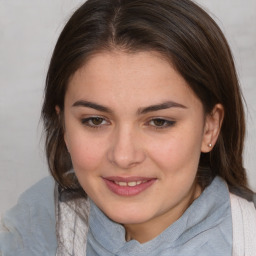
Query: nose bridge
(125,150)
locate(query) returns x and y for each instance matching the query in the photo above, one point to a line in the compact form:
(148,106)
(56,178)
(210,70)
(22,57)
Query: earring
(210,145)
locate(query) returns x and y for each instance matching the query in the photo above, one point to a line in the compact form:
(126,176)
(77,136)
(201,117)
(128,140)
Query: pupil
(159,122)
(97,121)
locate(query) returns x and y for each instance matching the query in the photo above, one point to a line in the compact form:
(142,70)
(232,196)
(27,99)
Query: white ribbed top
(244,226)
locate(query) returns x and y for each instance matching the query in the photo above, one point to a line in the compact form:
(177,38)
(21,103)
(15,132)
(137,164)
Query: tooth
(132,183)
(122,184)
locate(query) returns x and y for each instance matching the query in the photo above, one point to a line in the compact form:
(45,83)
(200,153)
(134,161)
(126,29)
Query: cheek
(179,152)
(86,154)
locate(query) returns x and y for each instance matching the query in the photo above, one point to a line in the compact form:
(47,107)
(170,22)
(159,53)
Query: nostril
(126,160)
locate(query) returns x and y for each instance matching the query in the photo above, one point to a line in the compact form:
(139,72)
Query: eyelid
(85,121)
(168,123)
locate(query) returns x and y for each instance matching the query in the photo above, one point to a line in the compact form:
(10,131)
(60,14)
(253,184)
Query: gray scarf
(72,216)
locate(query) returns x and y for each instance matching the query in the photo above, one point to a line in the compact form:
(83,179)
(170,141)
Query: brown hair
(183,33)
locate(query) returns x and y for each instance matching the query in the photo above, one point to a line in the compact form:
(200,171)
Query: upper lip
(128,179)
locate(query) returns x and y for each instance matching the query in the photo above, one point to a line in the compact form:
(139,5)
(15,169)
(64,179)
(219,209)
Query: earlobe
(213,122)
(57,109)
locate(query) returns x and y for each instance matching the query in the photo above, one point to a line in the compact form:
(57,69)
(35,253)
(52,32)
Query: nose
(125,150)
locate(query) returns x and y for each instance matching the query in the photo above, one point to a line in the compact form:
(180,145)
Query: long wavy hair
(184,34)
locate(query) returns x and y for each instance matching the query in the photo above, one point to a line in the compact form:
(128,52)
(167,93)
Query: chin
(126,218)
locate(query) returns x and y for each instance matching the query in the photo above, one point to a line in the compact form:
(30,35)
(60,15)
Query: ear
(212,127)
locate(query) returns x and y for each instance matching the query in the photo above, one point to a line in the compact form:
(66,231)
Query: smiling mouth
(130,183)
(130,186)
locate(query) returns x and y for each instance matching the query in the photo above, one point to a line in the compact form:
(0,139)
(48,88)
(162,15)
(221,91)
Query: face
(135,131)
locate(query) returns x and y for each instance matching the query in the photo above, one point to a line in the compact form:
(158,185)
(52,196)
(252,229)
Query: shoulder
(243,211)
(239,204)
(244,225)
(254,199)
(42,193)
(29,227)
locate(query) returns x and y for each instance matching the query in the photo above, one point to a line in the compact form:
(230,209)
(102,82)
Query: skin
(118,135)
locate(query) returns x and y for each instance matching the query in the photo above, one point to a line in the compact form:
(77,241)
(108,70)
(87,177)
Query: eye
(160,123)
(94,122)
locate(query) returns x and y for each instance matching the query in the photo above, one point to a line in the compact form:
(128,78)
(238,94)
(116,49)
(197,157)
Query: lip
(128,190)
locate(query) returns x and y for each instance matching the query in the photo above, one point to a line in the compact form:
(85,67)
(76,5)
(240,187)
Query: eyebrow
(164,105)
(88,104)
(144,110)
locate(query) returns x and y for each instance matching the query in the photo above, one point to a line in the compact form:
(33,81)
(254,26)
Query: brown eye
(159,122)
(96,120)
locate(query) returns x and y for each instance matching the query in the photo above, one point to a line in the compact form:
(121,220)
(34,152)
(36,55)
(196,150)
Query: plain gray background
(28,32)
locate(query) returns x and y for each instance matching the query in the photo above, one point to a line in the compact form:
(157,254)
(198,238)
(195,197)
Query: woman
(144,131)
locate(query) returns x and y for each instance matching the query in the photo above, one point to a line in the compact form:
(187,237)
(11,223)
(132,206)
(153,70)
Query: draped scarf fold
(72,217)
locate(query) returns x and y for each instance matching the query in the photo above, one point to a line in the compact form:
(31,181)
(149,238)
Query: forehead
(128,78)
(115,64)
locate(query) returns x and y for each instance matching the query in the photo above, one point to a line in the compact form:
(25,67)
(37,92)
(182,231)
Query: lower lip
(126,190)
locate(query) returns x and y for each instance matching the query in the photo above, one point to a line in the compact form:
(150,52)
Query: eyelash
(167,123)
(87,122)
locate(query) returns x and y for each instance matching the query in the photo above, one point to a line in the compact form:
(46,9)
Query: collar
(207,218)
